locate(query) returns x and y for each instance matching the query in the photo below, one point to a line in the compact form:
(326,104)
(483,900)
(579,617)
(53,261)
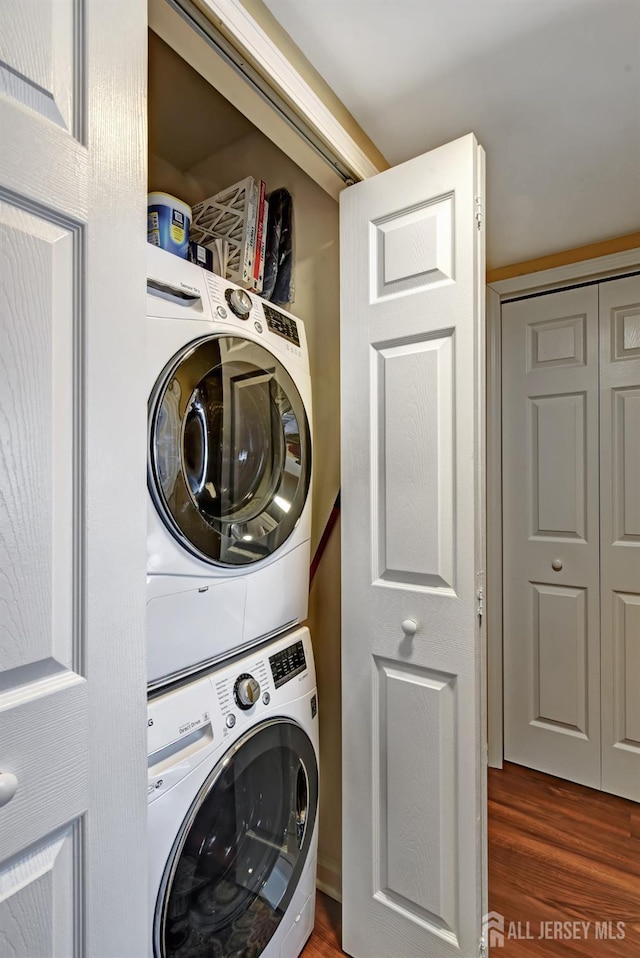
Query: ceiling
(551,89)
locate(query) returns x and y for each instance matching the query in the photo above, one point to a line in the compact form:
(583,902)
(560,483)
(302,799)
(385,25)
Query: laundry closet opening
(201,142)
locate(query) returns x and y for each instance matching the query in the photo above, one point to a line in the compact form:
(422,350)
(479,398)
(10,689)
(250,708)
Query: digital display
(287,664)
(282,325)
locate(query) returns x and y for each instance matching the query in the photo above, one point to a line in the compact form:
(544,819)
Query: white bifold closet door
(551,534)
(73,850)
(414,829)
(571,526)
(620,534)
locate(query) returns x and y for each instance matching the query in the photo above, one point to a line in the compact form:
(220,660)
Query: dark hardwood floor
(325,940)
(558,852)
(562,852)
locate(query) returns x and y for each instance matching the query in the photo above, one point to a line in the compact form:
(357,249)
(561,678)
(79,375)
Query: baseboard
(328,890)
(329,878)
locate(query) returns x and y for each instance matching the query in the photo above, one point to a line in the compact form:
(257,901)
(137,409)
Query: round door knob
(240,302)
(246,691)
(409,627)
(556,565)
(8,787)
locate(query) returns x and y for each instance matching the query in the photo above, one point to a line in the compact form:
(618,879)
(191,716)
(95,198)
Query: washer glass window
(230,450)
(239,856)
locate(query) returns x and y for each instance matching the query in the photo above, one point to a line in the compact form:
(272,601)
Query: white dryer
(233,801)
(229,468)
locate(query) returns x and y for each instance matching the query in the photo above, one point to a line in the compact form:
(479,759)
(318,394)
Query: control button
(257,326)
(221,311)
(266,698)
(239,302)
(230,720)
(246,691)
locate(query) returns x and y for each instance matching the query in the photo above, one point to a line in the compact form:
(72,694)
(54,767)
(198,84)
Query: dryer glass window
(239,857)
(230,451)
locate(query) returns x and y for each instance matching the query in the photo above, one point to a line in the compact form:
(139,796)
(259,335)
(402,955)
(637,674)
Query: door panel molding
(416,708)
(416,549)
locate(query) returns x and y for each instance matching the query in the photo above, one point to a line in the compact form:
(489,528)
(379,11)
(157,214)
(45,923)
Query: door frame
(250,60)
(550,280)
(248,35)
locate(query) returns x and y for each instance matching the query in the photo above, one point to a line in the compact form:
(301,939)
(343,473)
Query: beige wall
(165,178)
(324,622)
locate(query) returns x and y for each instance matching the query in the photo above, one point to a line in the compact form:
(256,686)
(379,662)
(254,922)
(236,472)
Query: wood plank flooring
(327,934)
(558,852)
(562,852)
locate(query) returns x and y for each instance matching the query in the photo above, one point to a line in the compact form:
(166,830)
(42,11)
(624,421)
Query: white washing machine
(229,468)
(233,800)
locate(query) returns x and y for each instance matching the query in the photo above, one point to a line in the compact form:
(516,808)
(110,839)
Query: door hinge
(480,598)
(482,949)
(479,213)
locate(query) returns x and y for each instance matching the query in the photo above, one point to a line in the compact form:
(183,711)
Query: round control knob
(246,691)
(240,302)
(8,787)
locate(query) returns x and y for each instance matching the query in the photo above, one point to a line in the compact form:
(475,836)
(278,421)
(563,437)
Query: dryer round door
(241,850)
(230,450)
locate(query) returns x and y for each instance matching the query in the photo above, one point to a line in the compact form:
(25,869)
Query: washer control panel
(287,663)
(246,691)
(282,325)
(196,718)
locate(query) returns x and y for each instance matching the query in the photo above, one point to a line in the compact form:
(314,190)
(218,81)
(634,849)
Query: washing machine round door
(240,853)
(230,450)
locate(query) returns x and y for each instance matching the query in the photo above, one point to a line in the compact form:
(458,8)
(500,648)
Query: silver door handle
(409,627)
(8,787)
(556,565)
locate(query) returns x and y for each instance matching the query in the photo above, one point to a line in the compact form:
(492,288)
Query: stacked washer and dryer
(233,728)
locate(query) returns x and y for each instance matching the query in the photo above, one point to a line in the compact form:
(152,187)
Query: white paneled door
(550,468)
(412,539)
(72,440)
(620,534)
(571,525)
